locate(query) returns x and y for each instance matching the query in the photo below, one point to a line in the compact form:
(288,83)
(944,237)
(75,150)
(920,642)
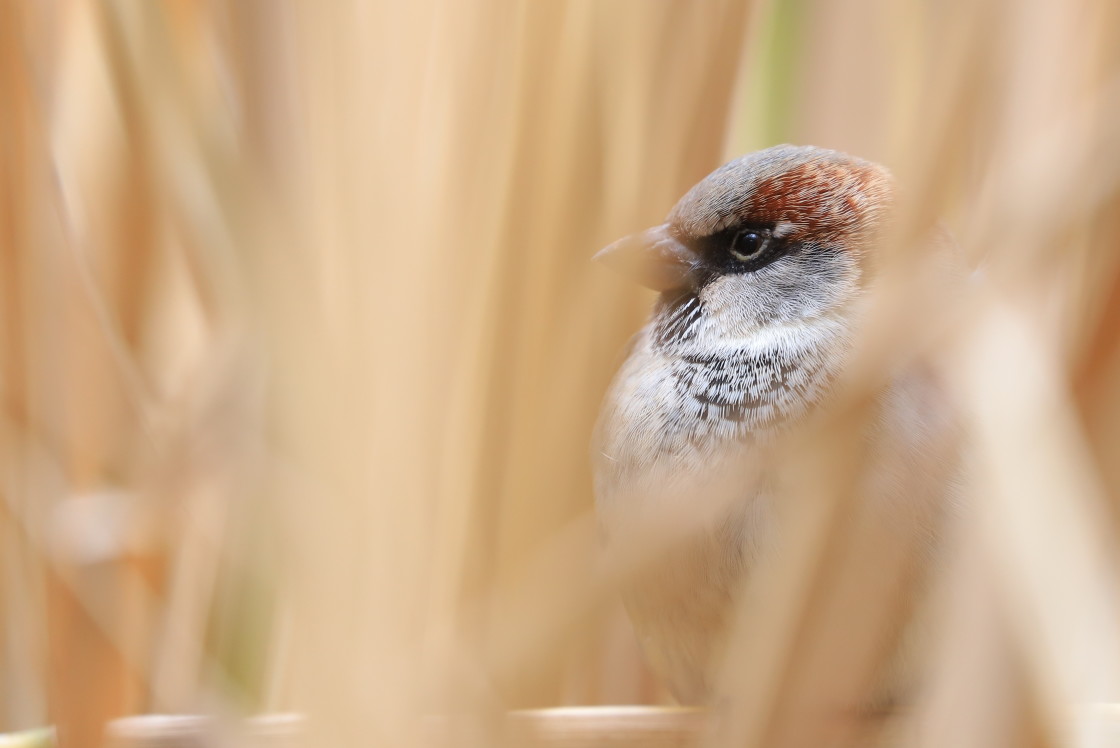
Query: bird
(762,270)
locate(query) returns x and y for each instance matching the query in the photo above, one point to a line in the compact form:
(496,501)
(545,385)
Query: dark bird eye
(748,245)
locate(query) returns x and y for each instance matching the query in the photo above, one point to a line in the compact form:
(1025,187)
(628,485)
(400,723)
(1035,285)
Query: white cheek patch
(785,296)
(790,338)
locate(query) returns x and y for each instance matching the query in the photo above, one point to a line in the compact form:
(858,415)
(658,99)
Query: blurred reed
(302,351)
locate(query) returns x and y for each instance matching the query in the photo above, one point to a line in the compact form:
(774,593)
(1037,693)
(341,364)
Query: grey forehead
(712,204)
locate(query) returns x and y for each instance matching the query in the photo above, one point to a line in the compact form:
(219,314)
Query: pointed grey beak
(655,258)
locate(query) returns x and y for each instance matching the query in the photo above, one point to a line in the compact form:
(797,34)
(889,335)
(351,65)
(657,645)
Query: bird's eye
(748,245)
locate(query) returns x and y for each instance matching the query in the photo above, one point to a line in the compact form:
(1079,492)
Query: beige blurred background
(302,345)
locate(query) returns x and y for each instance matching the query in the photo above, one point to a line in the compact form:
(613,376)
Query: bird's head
(775,237)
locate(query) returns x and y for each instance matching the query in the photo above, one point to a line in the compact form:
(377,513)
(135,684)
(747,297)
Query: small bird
(761,269)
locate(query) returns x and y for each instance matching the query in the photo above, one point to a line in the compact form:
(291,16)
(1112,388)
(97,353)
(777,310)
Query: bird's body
(681,429)
(762,272)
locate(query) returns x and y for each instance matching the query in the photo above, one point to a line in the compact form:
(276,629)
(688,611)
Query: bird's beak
(655,258)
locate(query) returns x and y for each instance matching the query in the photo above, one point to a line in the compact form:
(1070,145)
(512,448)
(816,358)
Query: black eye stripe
(741,249)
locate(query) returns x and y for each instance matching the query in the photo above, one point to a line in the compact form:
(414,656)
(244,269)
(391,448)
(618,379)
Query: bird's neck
(761,381)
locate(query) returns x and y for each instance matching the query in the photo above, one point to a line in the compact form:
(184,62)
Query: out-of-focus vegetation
(302,349)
